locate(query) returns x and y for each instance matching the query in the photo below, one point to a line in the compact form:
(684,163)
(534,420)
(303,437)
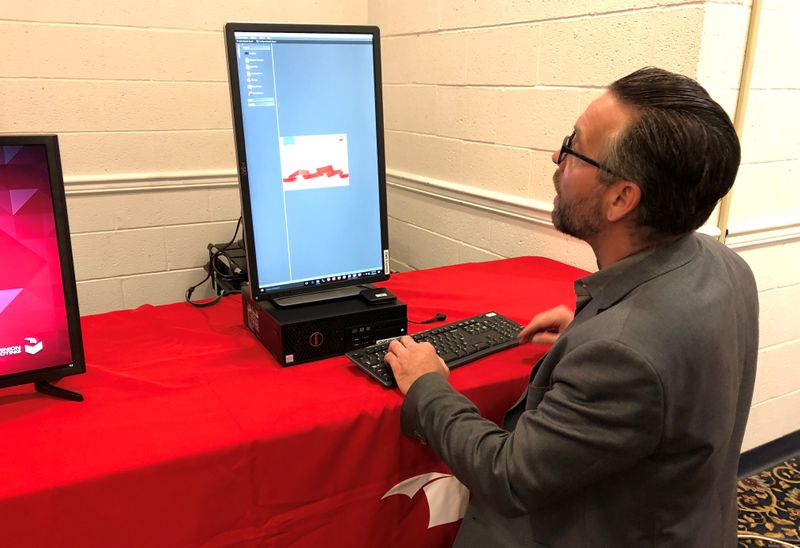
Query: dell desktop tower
(314,331)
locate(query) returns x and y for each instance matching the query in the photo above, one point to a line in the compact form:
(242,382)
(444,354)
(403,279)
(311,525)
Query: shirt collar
(609,285)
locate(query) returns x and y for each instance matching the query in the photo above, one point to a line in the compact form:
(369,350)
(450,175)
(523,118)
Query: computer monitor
(40,334)
(308,124)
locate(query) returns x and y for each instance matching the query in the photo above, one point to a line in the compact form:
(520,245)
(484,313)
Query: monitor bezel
(59,202)
(241,157)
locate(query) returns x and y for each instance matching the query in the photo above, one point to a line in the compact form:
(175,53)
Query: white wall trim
(741,236)
(752,235)
(155,181)
(509,205)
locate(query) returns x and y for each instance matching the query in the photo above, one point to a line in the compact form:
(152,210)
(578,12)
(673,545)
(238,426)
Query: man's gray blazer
(630,430)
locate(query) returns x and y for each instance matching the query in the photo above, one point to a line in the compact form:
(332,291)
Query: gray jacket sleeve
(602,412)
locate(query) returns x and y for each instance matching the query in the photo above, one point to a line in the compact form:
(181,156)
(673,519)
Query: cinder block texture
(408,17)
(138,94)
(723,43)
(766,190)
(182,247)
(108,211)
(767,193)
(466,230)
(112,53)
(98,296)
(177,14)
(163,287)
(772,419)
(763,261)
(537,118)
(57,106)
(147,152)
(778,39)
(110,254)
(777,372)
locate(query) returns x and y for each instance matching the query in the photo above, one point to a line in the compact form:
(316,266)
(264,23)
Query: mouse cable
(439,317)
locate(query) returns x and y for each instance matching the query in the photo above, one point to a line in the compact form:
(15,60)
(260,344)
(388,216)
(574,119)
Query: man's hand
(546,327)
(410,360)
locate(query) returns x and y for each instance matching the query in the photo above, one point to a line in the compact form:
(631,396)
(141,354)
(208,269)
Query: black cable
(212,268)
(234,269)
(439,317)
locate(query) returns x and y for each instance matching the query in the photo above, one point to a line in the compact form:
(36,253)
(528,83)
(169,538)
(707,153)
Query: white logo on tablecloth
(447,497)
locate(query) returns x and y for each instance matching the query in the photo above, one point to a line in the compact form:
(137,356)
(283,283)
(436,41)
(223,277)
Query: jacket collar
(606,287)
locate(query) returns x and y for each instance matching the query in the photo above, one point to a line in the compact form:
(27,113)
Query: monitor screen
(309,136)
(39,320)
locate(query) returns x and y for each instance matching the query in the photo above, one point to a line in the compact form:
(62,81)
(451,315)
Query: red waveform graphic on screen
(328,171)
(302,154)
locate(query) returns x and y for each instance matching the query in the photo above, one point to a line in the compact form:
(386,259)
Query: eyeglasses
(567,149)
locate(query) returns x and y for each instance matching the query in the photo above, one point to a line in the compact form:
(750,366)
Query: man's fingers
(403,342)
(527,332)
(532,329)
(395,346)
(545,327)
(544,337)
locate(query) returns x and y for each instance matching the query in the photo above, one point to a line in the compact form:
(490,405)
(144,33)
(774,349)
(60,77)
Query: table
(192,435)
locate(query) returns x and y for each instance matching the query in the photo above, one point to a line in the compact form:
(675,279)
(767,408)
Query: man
(630,430)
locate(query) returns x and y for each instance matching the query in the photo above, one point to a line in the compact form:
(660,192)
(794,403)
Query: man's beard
(581,218)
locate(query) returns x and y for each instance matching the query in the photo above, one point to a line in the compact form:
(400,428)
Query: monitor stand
(320,296)
(44,387)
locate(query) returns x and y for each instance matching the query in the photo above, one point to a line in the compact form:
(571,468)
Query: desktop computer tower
(311,332)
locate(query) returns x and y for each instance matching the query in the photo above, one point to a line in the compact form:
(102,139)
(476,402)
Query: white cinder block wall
(138,95)
(478,94)
(765,218)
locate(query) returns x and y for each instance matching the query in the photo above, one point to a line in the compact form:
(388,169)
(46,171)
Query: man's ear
(622,197)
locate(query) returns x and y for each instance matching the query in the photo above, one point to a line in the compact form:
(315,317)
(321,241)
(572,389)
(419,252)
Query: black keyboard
(457,343)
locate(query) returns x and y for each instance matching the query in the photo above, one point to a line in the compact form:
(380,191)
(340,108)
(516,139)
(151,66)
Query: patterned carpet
(769,506)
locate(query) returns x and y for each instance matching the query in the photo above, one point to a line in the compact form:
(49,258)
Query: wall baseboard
(763,456)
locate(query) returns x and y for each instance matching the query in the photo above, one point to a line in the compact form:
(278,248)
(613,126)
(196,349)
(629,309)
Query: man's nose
(554,157)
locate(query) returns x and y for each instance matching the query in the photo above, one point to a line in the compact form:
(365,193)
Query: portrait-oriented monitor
(40,335)
(308,127)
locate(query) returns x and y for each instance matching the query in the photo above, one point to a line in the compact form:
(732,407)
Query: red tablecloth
(192,435)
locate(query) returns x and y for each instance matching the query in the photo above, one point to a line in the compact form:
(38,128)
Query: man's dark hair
(682,150)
